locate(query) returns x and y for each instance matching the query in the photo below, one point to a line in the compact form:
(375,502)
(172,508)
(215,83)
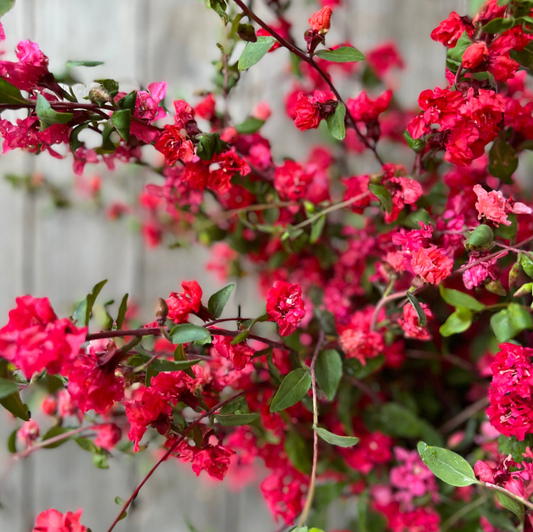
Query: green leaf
(86,444)
(298,452)
(13,403)
(525,57)
(383,194)
(527,264)
(122,312)
(206,147)
(503,159)
(129,101)
(455,54)
(74,142)
(294,388)
(326,320)
(218,6)
(317,228)
(53,432)
(344,54)
(100,461)
(5,6)
(356,369)
(460,299)
(447,465)
(12,442)
(254,52)
(481,237)
(508,232)
(335,122)
(110,85)
(187,332)
(162,366)
(250,125)
(238,405)
(457,322)
(507,323)
(83,311)
(71,64)
(422,318)
(236,420)
(9,93)
(48,116)
(499,25)
(122,122)
(417,145)
(328,372)
(334,439)
(7,387)
(395,420)
(273,370)
(219,299)
(511,504)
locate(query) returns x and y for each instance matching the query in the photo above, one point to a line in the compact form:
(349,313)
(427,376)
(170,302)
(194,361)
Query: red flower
(432,264)
(206,108)
(239,354)
(475,54)
(285,306)
(229,164)
(384,57)
(291,181)
(321,20)
(174,146)
(108,436)
(409,323)
(35,339)
(450,30)
(181,305)
(365,109)
(309,110)
(54,521)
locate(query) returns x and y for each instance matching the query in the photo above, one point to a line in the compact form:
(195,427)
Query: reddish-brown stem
(166,455)
(383,301)
(465,415)
(148,331)
(309,60)
(311,492)
(271,343)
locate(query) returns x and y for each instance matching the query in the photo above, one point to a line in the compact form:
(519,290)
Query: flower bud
(475,54)
(162,312)
(526,288)
(376,179)
(514,273)
(483,472)
(100,95)
(495,287)
(49,405)
(480,239)
(320,21)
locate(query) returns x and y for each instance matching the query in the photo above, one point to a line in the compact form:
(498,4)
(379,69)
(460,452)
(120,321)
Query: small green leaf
(499,25)
(100,461)
(354,367)
(236,420)
(511,504)
(5,6)
(129,101)
(316,229)
(250,125)
(187,332)
(7,387)
(13,403)
(383,194)
(527,264)
(71,64)
(122,122)
(328,371)
(218,6)
(503,159)
(460,299)
(335,121)
(237,405)
(206,147)
(48,116)
(417,145)
(457,322)
(294,388)
(298,452)
(344,54)
(122,312)
(12,442)
(86,444)
(525,57)
(334,439)
(422,318)
(246,32)
(481,237)
(254,52)
(56,431)
(162,366)
(219,299)
(74,142)
(509,322)
(507,232)
(9,93)
(83,311)
(395,420)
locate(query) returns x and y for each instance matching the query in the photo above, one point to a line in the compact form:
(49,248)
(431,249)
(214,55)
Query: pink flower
(365,109)
(409,322)
(54,521)
(284,491)
(239,354)
(431,264)
(285,306)
(181,305)
(28,433)
(206,108)
(478,274)
(229,164)
(292,181)
(174,146)
(35,339)
(493,206)
(108,436)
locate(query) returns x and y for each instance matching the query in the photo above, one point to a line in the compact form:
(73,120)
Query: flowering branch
(382,302)
(308,59)
(311,491)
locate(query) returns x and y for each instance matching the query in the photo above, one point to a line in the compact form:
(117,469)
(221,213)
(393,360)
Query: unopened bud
(514,273)
(162,312)
(321,20)
(100,95)
(376,179)
(526,288)
(495,287)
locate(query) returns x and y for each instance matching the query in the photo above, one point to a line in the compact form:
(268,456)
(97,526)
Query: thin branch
(311,490)
(382,302)
(508,493)
(166,455)
(463,416)
(148,331)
